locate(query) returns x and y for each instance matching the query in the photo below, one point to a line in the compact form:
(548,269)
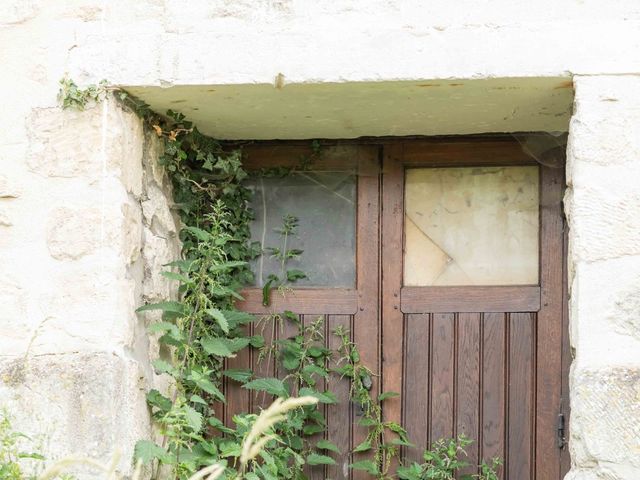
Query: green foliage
(444,460)
(202,328)
(72,96)
(17,460)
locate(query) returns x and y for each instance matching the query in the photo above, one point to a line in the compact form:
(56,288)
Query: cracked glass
(471,226)
(325,205)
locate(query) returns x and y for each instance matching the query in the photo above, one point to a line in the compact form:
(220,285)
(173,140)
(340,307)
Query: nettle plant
(203,328)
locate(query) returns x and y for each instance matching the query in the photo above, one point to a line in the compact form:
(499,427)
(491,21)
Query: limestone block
(13,300)
(605,433)
(86,306)
(74,232)
(605,327)
(131,231)
(78,405)
(65,143)
(7,188)
(603,214)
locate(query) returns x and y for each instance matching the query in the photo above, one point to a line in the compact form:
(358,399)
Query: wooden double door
(488,360)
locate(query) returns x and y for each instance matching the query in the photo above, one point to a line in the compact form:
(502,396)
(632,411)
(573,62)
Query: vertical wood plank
(442,373)
(238,398)
(468,384)
(366,324)
(317,472)
(493,387)
(416,393)
(549,348)
(520,413)
(339,414)
(392,242)
(264,367)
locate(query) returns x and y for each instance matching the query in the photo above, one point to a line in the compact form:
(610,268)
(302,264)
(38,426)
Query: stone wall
(603,208)
(85,223)
(86,229)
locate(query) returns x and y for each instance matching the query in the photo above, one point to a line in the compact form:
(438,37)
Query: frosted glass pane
(325,205)
(471,226)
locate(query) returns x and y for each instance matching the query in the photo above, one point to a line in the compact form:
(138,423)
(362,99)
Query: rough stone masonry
(85,218)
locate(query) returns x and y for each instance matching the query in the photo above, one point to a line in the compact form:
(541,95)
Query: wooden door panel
(472,374)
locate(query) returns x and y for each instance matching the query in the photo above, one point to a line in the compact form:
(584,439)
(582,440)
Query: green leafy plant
(15,453)
(444,460)
(202,328)
(72,96)
(283,254)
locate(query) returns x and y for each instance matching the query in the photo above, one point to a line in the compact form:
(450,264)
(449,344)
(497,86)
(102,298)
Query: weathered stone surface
(602,202)
(7,189)
(78,405)
(74,232)
(605,433)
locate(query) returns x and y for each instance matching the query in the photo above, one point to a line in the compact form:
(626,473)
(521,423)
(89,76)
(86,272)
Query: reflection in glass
(471,226)
(325,205)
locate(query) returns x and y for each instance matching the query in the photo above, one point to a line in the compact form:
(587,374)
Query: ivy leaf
(383,396)
(219,317)
(200,234)
(273,386)
(363,447)
(216,346)
(312,369)
(205,384)
(323,397)
(146,451)
(156,399)
(327,445)
(238,374)
(312,429)
(193,418)
(198,399)
(295,275)
(266,290)
(367,465)
(413,472)
(235,317)
(166,327)
(317,459)
(227,266)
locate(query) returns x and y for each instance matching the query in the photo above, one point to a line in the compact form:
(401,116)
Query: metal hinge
(560,440)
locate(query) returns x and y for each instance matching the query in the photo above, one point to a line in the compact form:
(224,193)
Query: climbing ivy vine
(203,328)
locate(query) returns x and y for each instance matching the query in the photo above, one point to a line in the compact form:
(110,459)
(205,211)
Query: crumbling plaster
(85,220)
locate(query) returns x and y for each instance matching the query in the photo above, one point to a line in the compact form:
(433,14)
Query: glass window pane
(471,226)
(325,206)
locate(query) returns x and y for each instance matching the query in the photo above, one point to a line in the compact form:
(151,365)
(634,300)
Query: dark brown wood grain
(518,461)
(465,152)
(443,381)
(468,384)
(549,348)
(416,389)
(493,413)
(392,248)
(339,415)
(366,323)
(519,298)
(303,301)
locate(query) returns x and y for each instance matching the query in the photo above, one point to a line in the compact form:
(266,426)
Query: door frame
(379,301)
